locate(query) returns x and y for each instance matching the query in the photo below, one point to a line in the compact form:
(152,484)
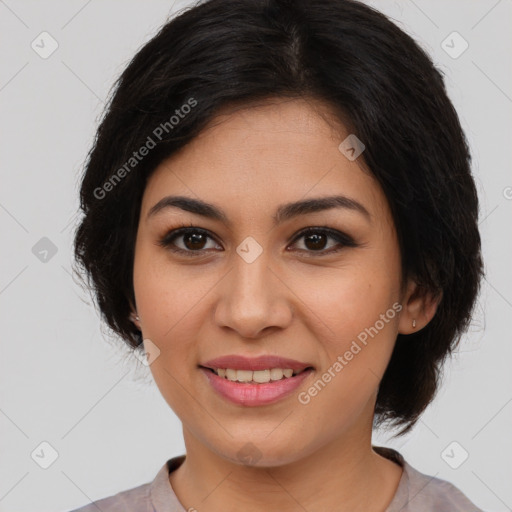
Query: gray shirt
(416,492)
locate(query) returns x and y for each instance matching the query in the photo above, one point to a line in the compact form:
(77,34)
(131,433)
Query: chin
(262,453)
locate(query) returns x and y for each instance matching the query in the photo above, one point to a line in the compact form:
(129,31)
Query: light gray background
(64,382)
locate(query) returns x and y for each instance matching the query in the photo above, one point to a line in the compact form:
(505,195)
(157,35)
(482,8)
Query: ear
(419,307)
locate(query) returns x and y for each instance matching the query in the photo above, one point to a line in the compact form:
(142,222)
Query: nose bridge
(251,273)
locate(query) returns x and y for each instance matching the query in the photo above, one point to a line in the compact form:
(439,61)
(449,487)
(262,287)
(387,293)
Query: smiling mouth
(257,376)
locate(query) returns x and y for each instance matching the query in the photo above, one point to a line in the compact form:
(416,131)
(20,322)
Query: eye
(193,240)
(315,240)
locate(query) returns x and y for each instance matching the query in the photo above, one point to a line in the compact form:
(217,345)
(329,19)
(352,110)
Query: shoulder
(148,497)
(427,493)
(418,492)
(135,499)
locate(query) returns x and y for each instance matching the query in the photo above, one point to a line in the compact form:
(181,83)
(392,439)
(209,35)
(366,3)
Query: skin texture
(291,301)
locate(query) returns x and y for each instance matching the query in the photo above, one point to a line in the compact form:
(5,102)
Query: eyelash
(342,239)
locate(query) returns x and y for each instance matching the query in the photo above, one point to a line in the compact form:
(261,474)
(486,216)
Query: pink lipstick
(256,381)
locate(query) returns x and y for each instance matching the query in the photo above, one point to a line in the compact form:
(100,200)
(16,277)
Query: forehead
(252,157)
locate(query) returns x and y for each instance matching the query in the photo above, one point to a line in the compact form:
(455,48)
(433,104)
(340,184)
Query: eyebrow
(283,213)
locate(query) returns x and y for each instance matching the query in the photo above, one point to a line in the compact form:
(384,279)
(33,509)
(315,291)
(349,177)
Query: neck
(344,475)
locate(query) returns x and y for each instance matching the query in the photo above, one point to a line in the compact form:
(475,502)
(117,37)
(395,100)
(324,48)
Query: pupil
(194,238)
(318,241)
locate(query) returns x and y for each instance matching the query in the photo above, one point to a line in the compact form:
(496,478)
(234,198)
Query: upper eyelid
(332,233)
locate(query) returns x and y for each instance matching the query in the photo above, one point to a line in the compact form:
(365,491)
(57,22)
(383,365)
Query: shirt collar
(163,498)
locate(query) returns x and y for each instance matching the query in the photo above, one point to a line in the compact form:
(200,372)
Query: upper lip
(237,362)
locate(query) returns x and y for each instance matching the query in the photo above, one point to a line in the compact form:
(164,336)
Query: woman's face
(248,283)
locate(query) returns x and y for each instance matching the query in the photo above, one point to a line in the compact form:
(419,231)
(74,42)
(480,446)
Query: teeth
(243,375)
(276,374)
(231,374)
(259,376)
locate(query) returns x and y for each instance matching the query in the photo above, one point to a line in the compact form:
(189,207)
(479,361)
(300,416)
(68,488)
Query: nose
(253,299)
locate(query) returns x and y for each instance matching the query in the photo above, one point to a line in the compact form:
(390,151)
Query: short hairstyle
(378,82)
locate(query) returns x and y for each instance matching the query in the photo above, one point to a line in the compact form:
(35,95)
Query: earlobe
(134,317)
(136,320)
(419,307)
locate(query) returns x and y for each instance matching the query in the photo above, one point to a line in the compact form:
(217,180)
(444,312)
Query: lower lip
(252,395)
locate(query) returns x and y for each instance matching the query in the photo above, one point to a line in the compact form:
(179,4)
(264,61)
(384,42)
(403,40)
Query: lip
(237,362)
(254,395)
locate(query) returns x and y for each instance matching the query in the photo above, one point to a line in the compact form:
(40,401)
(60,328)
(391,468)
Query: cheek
(349,299)
(355,353)
(171,308)
(169,303)
(359,309)
(168,294)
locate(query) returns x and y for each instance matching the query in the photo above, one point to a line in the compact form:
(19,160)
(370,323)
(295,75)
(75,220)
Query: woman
(279,209)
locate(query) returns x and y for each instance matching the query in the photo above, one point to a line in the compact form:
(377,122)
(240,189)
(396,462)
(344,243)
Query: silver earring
(414,323)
